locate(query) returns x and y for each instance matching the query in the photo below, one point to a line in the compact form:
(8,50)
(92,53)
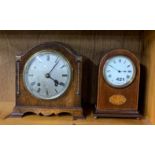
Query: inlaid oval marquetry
(117,99)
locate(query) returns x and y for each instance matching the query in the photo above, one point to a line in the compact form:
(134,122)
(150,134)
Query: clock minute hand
(53,67)
(115,68)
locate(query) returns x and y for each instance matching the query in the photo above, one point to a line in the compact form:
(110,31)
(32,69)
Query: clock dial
(119,71)
(47,74)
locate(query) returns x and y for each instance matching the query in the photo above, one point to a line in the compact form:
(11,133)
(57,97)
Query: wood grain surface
(148,61)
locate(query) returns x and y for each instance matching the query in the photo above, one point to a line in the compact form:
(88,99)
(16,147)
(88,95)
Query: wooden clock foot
(20,111)
(127,114)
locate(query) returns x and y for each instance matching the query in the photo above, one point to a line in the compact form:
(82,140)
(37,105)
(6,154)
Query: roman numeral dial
(119,71)
(47,74)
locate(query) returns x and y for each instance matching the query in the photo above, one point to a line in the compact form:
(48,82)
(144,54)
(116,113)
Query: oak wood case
(129,94)
(69,102)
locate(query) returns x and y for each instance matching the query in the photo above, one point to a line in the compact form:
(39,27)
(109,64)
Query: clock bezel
(126,84)
(30,60)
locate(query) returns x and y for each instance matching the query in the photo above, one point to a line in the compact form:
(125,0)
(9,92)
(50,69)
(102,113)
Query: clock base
(110,114)
(20,111)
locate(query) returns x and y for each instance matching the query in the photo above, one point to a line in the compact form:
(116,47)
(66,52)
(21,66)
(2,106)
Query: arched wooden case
(118,102)
(69,102)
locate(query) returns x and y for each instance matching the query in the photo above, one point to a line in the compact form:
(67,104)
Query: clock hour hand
(56,82)
(115,68)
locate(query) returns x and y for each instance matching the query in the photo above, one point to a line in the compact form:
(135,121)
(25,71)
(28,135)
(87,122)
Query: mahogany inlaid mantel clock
(48,81)
(118,85)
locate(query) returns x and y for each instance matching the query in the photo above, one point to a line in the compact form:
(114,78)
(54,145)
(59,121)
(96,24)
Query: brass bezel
(126,84)
(28,64)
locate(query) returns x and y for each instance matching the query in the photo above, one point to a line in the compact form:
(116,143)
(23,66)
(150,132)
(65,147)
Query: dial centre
(47,75)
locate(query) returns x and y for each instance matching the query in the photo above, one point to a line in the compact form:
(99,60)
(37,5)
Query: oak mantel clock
(118,85)
(48,81)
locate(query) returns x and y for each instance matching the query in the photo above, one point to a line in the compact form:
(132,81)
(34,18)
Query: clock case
(69,102)
(130,93)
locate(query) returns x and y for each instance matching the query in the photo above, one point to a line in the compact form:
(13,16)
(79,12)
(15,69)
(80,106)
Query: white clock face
(119,71)
(47,74)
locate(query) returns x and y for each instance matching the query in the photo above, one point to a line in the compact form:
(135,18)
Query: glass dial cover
(47,74)
(119,71)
